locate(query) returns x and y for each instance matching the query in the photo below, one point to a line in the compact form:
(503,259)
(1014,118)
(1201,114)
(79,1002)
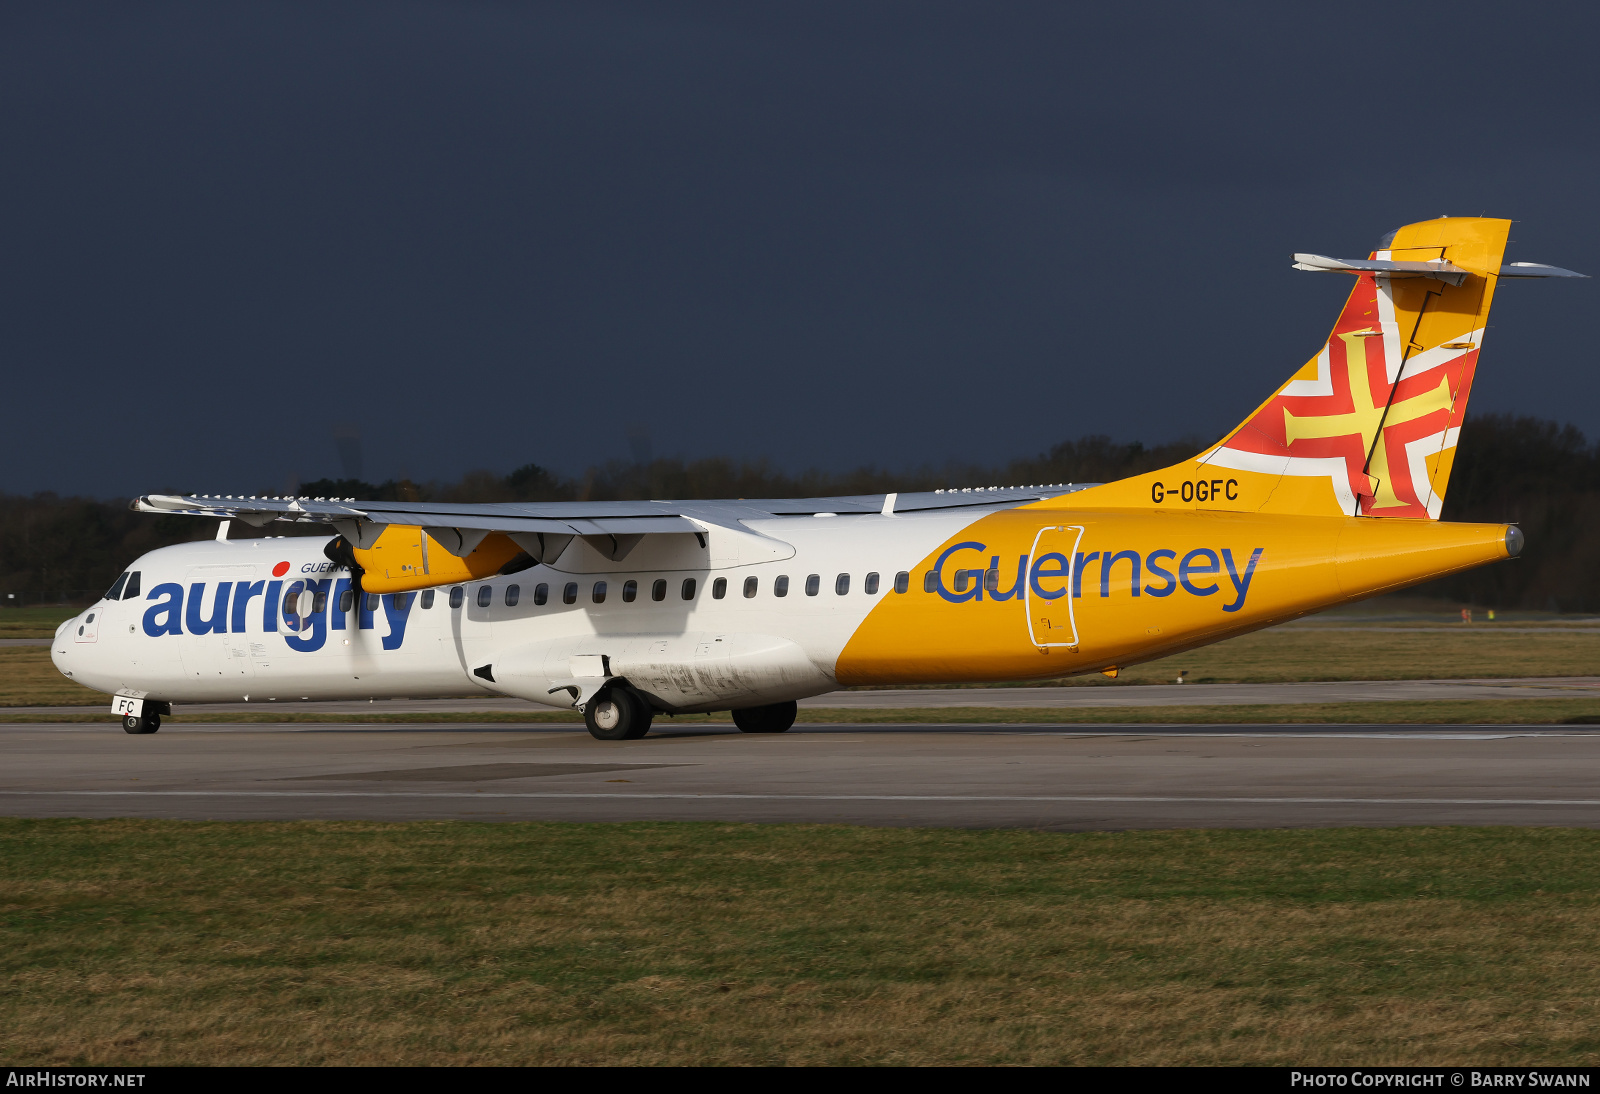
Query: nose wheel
(134,723)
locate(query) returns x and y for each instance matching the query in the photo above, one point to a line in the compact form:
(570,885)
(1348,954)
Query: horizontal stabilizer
(1438,268)
(1536,269)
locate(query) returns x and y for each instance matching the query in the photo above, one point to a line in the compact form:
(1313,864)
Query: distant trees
(1544,475)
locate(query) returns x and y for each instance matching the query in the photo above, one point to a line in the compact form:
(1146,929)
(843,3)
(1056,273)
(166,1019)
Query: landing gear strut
(149,723)
(769,719)
(617,714)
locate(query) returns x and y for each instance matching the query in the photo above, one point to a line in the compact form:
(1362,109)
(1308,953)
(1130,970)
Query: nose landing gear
(134,723)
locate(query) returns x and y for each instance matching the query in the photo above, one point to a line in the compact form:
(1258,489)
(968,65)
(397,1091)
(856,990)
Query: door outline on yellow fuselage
(1072,566)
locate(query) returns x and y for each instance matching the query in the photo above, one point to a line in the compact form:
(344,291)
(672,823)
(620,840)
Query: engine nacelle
(405,557)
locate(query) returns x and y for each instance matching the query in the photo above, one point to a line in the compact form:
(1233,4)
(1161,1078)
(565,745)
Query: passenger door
(1047,593)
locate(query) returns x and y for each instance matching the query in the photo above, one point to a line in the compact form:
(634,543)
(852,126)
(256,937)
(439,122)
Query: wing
(387,543)
(579,517)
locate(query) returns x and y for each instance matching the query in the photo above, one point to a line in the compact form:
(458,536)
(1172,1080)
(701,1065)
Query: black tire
(617,714)
(134,724)
(768,719)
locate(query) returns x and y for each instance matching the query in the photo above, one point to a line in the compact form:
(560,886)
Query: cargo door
(1047,593)
(210,652)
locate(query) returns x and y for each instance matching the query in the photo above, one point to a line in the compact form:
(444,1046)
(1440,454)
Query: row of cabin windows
(630,590)
(658,590)
(127,588)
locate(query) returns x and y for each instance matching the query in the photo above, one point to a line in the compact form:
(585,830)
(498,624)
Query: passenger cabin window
(372,601)
(485,596)
(513,592)
(813,584)
(902,581)
(991,579)
(401,600)
(870,586)
(658,589)
(569,594)
(115,592)
(427,599)
(599,592)
(961,581)
(319,603)
(719,588)
(841,584)
(688,588)
(130,591)
(630,591)
(930,581)
(780,585)
(541,594)
(750,586)
(457,595)
(347,600)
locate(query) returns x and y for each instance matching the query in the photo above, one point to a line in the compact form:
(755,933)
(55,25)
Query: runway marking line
(638,796)
(1299,736)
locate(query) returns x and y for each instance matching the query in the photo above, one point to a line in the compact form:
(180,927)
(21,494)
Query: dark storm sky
(824,234)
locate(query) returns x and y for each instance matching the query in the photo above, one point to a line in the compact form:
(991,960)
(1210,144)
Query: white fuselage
(272,619)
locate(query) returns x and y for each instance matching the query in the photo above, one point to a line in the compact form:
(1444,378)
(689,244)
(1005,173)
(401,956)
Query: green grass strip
(136,942)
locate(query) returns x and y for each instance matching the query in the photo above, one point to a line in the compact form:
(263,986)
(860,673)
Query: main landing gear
(768,719)
(618,715)
(134,723)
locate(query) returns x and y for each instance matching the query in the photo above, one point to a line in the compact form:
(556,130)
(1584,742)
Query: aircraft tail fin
(1367,427)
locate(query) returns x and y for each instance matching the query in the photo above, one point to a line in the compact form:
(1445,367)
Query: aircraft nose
(61,645)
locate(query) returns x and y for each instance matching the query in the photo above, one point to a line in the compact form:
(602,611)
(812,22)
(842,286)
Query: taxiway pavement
(1050,777)
(1072,696)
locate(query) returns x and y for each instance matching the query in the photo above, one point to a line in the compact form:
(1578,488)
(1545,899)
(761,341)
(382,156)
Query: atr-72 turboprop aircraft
(1329,492)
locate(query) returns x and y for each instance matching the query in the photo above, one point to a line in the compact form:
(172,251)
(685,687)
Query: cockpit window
(130,591)
(116,590)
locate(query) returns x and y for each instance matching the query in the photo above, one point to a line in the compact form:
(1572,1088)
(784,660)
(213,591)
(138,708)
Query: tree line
(1540,474)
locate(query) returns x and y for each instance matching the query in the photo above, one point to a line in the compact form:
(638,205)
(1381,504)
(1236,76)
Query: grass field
(1384,652)
(27,678)
(33,622)
(156,942)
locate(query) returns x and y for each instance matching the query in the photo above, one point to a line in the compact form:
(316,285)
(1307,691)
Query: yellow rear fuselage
(1036,593)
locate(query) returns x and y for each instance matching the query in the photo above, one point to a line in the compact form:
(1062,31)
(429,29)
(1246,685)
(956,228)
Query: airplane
(1329,492)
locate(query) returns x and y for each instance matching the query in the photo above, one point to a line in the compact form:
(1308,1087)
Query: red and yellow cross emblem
(1369,414)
